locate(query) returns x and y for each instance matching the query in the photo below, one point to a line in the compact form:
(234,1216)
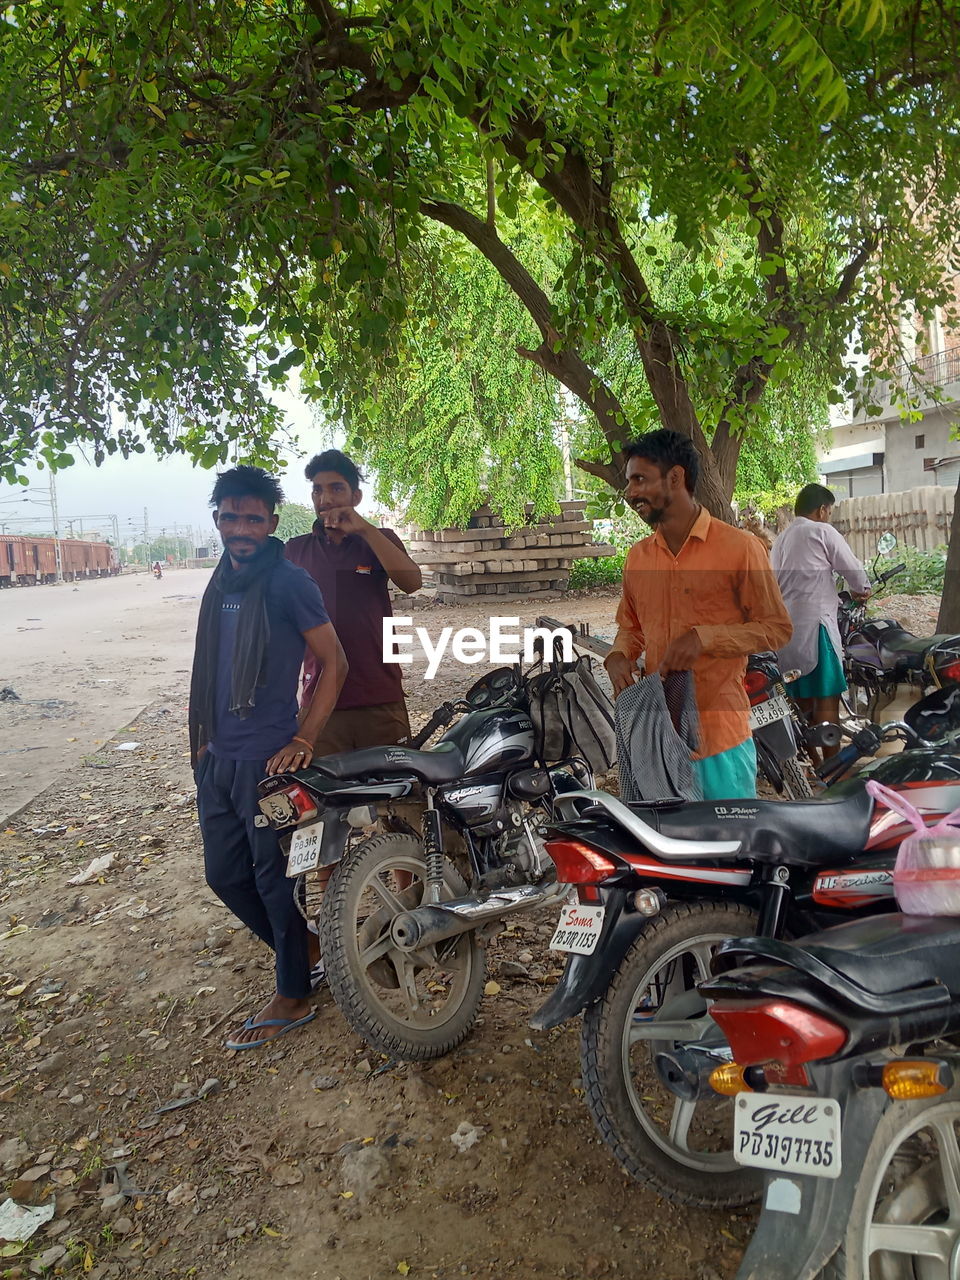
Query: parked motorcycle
(659,887)
(401,918)
(880,655)
(844,1096)
(777,728)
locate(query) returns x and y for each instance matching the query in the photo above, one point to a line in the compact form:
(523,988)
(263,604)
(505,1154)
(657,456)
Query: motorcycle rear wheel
(409,1005)
(681,1149)
(904,1223)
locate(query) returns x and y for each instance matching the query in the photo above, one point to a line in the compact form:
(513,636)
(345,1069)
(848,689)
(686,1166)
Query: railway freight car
(26,561)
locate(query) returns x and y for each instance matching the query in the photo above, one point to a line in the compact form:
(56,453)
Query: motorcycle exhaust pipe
(425,926)
(686,1070)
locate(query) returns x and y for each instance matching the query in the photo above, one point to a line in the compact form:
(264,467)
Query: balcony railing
(936,370)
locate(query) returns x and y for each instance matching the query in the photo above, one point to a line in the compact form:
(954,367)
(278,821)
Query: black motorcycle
(879,655)
(842,1070)
(659,887)
(428,849)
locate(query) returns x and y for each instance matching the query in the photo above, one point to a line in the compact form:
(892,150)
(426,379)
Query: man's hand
(861,596)
(681,653)
(295,755)
(345,520)
(622,672)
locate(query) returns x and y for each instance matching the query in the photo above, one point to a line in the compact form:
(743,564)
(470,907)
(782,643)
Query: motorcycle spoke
(654,1029)
(702,953)
(375,950)
(914,1241)
(408,983)
(949,1164)
(423,958)
(451,961)
(683,1113)
(386,896)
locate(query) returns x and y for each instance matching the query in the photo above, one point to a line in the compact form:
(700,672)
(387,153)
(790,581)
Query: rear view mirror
(886,543)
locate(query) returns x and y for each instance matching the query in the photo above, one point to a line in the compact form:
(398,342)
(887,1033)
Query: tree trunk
(672,397)
(949,619)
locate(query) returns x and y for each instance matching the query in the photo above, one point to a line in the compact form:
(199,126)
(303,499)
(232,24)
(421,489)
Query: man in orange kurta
(698,595)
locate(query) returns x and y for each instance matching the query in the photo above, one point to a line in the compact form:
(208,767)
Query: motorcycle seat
(442,763)
(880,961)
(899,646)
(804,832)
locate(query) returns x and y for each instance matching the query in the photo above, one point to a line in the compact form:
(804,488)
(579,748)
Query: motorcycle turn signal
(729,1080)
(906,1078)
(732,1078)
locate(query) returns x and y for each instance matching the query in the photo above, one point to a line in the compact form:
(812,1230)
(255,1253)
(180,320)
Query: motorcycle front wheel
(905,1219)
(410,1005)
(684,1150)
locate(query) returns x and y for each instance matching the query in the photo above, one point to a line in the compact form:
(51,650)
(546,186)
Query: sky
(173,491)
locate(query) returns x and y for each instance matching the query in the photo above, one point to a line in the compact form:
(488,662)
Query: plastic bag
(926,877)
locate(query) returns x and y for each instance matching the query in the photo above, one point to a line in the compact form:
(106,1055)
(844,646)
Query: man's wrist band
(305,742)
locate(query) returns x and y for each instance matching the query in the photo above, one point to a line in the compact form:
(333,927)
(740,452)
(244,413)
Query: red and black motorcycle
(844,1096)
(659,886)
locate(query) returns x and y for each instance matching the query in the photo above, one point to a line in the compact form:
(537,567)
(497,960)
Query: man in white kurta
(806,558)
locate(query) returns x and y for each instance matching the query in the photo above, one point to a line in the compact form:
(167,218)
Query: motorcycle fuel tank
(501,738)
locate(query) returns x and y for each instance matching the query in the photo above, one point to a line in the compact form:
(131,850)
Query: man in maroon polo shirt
(351,560)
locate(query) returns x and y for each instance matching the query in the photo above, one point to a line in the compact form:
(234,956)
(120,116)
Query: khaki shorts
(350,729)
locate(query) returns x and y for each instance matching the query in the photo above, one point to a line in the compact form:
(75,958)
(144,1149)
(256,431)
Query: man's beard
(650,515)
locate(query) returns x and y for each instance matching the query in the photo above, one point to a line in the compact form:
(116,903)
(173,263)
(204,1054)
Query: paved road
(85,658)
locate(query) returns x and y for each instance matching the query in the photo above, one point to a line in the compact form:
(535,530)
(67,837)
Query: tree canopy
(295,519)
(449,416)
(190,191)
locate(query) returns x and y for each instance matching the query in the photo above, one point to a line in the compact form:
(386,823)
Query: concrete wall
(903,460)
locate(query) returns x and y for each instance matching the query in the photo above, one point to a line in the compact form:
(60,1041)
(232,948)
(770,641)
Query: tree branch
(553,356)
(499,255)
(853,268)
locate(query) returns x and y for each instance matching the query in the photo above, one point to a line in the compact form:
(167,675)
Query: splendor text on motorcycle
(503,643)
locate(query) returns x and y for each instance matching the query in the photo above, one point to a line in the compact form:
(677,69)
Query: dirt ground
(313,1158)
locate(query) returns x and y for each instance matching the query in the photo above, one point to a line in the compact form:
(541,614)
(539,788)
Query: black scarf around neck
(250,650)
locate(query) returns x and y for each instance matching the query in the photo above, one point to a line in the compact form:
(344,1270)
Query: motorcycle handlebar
(444,715)
(864,741)
(439,720)
(892,573)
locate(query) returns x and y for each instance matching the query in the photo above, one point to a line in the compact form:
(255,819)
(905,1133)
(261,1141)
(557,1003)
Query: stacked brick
(485,559)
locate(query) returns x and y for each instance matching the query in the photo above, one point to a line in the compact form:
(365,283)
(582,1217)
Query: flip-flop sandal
(287,1024)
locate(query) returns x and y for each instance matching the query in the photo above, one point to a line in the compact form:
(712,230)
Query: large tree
(453,414)
(189,187)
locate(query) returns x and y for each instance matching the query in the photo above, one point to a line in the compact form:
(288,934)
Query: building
(883,453)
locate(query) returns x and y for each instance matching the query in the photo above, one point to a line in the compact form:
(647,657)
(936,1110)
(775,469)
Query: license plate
(578,929)
(775,708)
(304,852)
(788,1132)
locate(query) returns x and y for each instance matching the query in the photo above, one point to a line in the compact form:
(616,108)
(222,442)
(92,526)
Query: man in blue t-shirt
(256,616)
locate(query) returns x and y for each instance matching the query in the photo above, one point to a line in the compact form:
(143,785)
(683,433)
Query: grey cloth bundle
(653,751)
(572,715)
